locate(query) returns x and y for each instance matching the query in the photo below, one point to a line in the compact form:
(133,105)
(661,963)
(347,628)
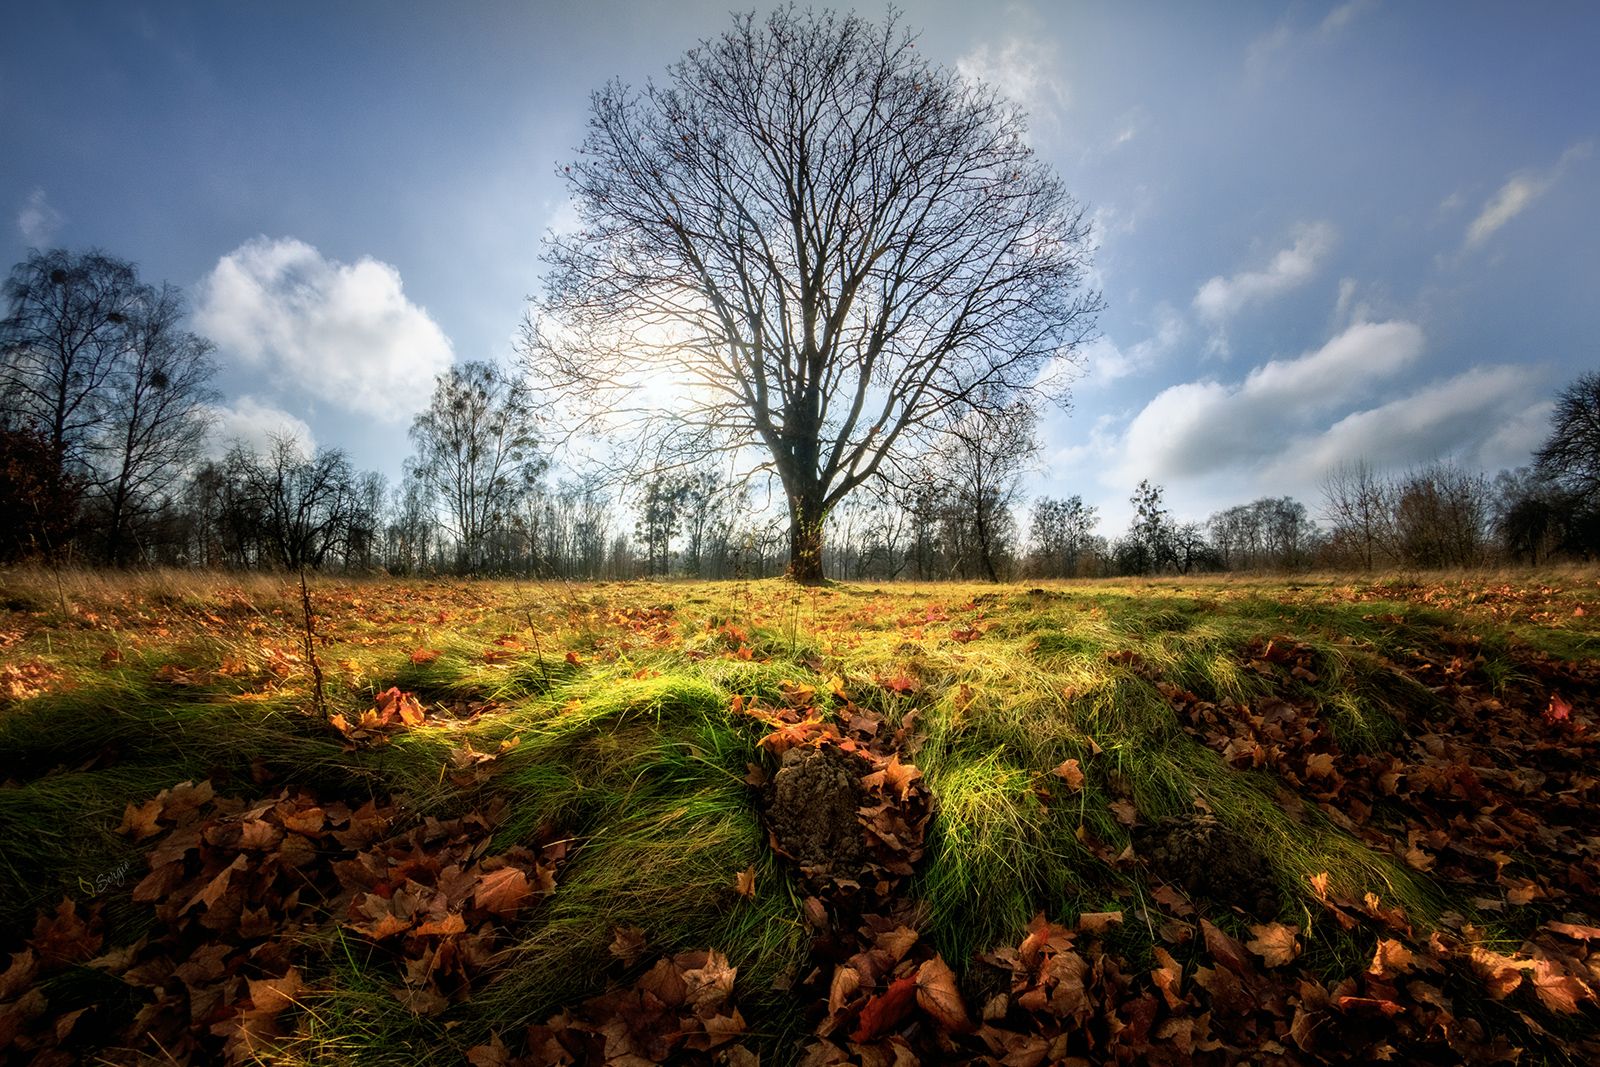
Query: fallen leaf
(1098,922)
(1071,773)
(1275,943)
(493,1054)
(450,924)
(627,944)
(938,995)
(1320,765)
(503,892)
(1391,958)
(1225,949)
(19,976)
(1557,990)
(1168,975)
(842,988)
(139,820)
(1502,974)
(884,1011)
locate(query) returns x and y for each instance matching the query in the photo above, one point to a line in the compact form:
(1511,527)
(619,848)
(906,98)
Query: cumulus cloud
(1024,71)
(1484,416)
(253,423)
(344,333)
(1194,428)
(1519,191)
(1286,423)
(38,221)
(1220,298)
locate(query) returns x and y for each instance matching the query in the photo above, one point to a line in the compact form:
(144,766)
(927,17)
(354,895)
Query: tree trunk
(805,539)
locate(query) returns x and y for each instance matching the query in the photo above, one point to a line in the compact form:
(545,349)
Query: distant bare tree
(1150,544)
(476,453)
(1532,517)
(1442,516)
(285,508)
(1357,502)
(825,241)
(660,515)
(1062,532)
(157,412)
(986,447)
(1190,549)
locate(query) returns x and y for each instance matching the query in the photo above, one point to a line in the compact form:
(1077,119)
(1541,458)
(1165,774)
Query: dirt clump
(811,811)
(1210,862)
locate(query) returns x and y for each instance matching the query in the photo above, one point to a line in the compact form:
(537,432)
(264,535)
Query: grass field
(1209,820)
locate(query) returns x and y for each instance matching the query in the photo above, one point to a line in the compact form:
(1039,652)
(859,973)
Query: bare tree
(986,448)
(288,509)
(1150,545)
(38,504)
(64,334)
(660,515)
(1358,503)
(1442,516)
(1062,532)
(157,414)
(825,241)
(476,452)
(1570,456)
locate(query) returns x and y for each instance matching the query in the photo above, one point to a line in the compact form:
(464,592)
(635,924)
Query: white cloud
(1517,437)
(1219,298)
(1106,362)
(1131,123)
(1025,71)
(1346,310)
(1484,416)
(38,221)
(1195,428)
(1514,196)
(1346,13)
(563,218)
(344,333)
(253,423)
(1274,51)
(1263,51)
(1519,191)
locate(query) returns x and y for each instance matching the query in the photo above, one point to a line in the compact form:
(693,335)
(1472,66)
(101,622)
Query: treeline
(106,410)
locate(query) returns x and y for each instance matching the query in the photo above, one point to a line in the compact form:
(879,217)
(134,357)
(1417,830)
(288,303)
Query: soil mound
(1210,862)
(811,811)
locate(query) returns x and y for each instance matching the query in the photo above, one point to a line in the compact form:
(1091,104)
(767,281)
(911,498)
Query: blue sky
(1327,230)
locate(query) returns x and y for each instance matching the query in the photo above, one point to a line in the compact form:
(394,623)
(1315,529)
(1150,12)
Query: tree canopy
(825,242)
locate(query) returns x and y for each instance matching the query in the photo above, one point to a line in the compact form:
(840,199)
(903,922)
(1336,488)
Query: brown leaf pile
(680,1010)
(1062,996)
(1487,791)
(27,679)
(234,886)
(391,712)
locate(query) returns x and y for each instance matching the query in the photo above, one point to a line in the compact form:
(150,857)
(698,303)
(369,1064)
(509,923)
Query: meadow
(1274,820)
